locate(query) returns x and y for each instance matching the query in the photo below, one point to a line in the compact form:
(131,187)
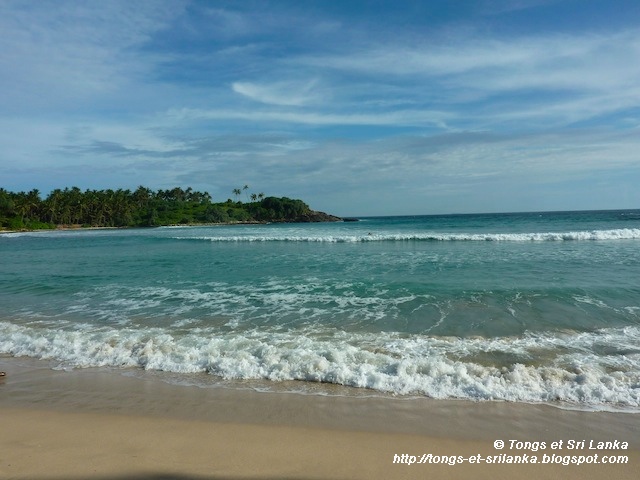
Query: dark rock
(314,217)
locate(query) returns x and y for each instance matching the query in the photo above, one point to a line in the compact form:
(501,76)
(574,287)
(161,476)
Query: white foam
(268,302)
(592,235)
(561,368)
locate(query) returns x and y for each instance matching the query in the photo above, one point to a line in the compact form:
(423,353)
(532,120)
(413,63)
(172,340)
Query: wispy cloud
(61,54)
(322,102)
(479,68)
(281,93)
(441,172)
(320,118)
(496,7)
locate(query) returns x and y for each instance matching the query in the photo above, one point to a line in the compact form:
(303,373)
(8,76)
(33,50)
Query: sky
(356,107)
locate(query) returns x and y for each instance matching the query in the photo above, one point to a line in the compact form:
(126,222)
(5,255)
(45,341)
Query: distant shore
(203,224)
(146,208)
(82,227)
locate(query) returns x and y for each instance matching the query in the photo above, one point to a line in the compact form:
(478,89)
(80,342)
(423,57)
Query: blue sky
(356,107)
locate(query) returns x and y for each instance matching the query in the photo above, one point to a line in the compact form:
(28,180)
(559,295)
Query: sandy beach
(101,424)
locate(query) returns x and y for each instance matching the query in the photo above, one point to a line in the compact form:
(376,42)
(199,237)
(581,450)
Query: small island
(73,208)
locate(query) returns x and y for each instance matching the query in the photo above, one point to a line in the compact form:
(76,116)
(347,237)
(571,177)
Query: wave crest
(438,367)
(592,235)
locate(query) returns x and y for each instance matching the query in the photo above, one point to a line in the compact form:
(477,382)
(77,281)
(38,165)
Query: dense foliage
(142,207)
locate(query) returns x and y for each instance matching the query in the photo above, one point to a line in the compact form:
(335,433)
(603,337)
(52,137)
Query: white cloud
(467,83)
(578,61)
(269,90)
(280,93)
(60,53)
(318,118)
(496,7)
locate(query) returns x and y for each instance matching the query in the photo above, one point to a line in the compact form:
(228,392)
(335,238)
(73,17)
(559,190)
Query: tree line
(139,208)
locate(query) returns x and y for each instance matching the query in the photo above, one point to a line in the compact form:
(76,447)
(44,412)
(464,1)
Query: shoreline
(63,228)
(99,423)
(74,228)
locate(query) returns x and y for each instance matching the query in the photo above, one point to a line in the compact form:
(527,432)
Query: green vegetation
(142,208)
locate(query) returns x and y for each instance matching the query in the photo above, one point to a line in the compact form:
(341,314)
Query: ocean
(522,307)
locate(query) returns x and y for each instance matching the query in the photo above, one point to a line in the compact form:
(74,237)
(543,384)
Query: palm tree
(21,205)
(33,198)
(237,192)
(52,207)
(76,204)
(177,194)
(142,195)
(95,207)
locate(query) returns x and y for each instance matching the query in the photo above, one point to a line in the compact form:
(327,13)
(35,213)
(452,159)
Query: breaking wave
(597,370)
(593,235)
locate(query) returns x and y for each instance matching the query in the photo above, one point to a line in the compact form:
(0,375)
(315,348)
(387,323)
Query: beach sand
(100,424)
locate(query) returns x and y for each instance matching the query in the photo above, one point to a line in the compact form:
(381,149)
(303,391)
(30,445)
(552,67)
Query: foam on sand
(559,369)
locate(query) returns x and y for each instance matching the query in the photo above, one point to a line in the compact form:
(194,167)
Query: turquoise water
(536,307)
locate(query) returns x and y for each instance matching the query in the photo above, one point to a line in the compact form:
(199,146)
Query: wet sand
(102,424)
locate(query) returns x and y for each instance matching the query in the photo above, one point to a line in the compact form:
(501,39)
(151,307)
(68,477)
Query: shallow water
(538,307)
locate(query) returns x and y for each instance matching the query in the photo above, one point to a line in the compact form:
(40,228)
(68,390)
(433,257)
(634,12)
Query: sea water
(531,307)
